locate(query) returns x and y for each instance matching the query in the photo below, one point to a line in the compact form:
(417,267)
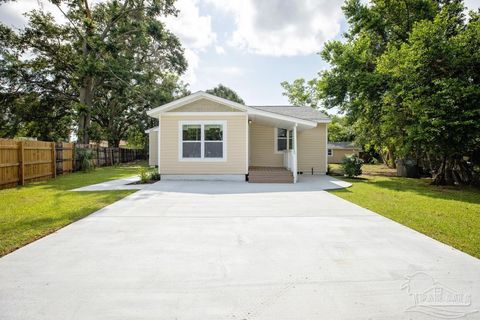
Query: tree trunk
(86,101)
(87,79)
(453,171)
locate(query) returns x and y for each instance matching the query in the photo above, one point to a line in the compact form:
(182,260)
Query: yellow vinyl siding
(204,105)
(262,147)
(236,147)
(153,148)
(312,150)
(338,155)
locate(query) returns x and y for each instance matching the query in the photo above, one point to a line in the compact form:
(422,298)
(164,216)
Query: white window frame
(275,132)
(202,141)
(330,152)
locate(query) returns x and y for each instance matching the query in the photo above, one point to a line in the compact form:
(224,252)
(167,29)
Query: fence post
(21,167)
(54,161)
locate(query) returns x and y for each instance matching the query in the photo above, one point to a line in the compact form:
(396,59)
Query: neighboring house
(202,136)
(339,150)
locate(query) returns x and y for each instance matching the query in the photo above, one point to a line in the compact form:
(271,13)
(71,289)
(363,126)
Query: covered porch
(272,141)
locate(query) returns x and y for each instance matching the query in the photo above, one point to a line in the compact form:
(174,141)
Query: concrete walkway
(119,184)
(208,250)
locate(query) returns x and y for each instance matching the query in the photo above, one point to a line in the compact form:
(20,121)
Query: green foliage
(352,166)
(226,93)
(143,173)
(84,157)
(148,174)
(407,77)
(154,174)
(108,65)
(340,130)
(301,92)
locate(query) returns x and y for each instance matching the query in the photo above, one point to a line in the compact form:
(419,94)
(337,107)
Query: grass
(35,210)
(448,214)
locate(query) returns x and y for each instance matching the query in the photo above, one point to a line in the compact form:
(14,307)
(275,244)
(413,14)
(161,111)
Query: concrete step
(270,178)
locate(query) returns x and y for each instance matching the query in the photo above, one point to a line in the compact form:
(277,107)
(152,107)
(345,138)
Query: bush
(154,175)
(144,175)
(84,157)
(352,166)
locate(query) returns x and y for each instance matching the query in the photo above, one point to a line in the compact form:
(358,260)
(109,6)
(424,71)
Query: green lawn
(448,214)
(35,210)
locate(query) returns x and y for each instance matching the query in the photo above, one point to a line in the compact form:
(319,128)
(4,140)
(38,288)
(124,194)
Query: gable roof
(194,97)
(305,115)
(300,112)
(342,145)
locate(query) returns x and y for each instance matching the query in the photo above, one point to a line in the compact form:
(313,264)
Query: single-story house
(202,136)
(339,150)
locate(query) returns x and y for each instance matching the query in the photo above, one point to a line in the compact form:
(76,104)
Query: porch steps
(269,175)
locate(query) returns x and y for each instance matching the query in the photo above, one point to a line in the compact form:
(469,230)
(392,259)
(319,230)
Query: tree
(301,92)
(35,92)
(226,93)
(435,86)
(407,79)
(340,130)
(107,64)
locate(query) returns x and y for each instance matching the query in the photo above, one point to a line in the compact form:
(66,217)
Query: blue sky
(248,45)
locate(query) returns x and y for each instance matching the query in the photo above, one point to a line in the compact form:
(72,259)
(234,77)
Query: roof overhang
(151,129)
(253,113)
(192,98)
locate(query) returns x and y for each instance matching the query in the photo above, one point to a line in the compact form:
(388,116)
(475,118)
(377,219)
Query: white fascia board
(273,115)
(151,129)
(194,97)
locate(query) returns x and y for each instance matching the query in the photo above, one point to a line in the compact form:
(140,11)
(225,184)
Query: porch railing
(290,162)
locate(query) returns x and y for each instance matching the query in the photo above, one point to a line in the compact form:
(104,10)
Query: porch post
(158,142)
(247,144)
(295,150)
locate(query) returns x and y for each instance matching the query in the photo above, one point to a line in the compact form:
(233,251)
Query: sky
(250,46)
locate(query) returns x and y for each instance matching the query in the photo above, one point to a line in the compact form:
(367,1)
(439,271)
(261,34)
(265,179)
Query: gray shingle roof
(342,145)
(305,113)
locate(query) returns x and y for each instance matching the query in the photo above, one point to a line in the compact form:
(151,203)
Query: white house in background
(204,137)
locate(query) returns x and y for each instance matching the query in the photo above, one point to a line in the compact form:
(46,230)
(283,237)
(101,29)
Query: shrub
(154,174)
(84,157)
(144,175)
(352,166)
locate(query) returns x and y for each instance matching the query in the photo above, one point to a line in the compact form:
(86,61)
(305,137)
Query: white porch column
(247,147)
(294,166)
(158,142)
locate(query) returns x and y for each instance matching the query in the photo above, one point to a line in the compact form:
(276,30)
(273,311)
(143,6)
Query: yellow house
(204,137)
(339,150)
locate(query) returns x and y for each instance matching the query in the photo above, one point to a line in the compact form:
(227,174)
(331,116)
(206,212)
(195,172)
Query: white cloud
(193,59)
(12,12)
(195,32)
(282,28)
(193,29)
(224,71)
(219,50)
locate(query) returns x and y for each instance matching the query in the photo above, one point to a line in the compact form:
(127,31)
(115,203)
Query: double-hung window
(283,140)
(202,140)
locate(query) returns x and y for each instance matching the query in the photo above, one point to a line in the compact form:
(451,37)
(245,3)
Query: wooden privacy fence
(105,156)
(27,161)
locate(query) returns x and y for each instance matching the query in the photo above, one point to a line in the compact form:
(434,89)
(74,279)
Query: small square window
(330,153)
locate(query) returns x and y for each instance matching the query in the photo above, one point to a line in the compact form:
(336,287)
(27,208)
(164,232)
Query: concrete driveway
(231,250)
